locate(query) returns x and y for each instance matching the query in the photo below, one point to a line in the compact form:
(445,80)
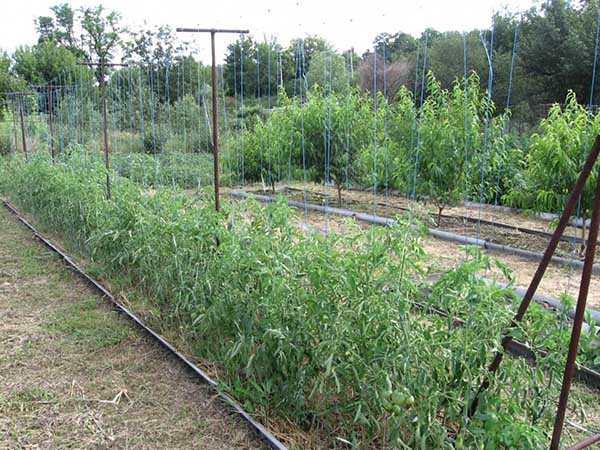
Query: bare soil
(452,220)
(75,374)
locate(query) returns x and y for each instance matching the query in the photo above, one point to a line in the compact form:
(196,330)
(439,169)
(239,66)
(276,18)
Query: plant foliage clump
(322,332)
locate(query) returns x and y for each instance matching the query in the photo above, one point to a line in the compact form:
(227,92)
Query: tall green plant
(554,161)
(450,131)
(321,333)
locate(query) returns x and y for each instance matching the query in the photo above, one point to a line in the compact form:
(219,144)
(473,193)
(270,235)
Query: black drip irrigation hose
(554,303)
(444,235)
(505,226)
(577,222)
(262,432)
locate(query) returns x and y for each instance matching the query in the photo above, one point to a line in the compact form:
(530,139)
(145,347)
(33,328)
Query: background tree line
(554,53)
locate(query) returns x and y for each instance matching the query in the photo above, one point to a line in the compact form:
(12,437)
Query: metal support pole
(14,115)
(23,137)
(215,122)
(104,119)
(102,64)
(215,119)
(539,273)
(586,443)
(584,288)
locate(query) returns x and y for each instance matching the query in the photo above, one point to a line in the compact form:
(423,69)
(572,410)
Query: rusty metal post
(104,119)
(102,64)
(590,252)
(20,97)
(15,123)
(539,273)
(51,122)
(215,120)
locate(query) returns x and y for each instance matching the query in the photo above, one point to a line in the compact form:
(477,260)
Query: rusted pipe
(539,273)
(590,253)
(585,443)
(215,120)
(103,65)
(22,126)
(51,122)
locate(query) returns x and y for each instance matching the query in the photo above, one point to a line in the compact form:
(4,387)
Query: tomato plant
(325,334)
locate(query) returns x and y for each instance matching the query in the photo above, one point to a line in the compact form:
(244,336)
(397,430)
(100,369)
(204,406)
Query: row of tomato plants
(320,331)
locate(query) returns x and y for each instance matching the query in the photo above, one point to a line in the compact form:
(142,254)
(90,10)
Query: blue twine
(385,125)
(595,63)
(414,124)
(423,83)
(466,118)
(489,54)
(242,111)
(303,67)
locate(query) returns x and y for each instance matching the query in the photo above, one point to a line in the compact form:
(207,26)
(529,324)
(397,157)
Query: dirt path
(74,374)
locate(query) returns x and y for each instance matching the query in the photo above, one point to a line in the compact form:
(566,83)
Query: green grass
(89,324)
(33,263)
(32,394)
(27,399)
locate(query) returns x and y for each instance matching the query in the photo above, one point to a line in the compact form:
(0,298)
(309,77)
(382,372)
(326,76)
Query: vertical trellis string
(489,52)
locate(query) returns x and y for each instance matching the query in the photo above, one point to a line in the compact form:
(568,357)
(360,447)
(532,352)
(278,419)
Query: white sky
(350,23)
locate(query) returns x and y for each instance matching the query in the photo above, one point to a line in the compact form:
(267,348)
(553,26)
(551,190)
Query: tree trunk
(439,217)
(339,191)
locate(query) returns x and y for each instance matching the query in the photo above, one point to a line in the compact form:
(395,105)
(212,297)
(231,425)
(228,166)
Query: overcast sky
(346,24)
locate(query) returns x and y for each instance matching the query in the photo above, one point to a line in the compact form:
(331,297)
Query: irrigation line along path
(271,440)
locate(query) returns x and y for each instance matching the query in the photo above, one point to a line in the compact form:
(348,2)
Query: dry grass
(73,374)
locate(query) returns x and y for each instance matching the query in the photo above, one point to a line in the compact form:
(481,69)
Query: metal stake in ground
(588,442)
(14,109)
(577,321)
(212,32)
(102,64)
(20,96)
(539,273)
